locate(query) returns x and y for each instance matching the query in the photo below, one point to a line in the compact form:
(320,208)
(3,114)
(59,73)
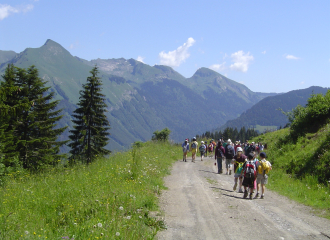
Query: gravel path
(200,204)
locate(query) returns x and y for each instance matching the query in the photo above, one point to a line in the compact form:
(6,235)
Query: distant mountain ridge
(266,113)
(141,98)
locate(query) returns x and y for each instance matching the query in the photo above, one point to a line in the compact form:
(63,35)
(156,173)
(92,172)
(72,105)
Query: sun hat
(239,149)
(202,142)
(229,141)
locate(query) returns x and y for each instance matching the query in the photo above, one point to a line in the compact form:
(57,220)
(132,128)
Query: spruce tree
(90,134)
(33,124)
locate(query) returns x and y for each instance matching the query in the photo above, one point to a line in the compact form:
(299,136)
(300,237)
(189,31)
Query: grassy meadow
(296,167)
(109,199)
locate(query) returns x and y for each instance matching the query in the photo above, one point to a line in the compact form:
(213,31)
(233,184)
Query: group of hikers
(249,171)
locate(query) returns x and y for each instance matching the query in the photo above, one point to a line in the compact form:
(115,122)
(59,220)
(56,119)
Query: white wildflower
(121,208)
(99,224)
(117,233)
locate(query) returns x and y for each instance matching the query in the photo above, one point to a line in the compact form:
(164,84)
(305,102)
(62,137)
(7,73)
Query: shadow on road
(226,190)
(207,171)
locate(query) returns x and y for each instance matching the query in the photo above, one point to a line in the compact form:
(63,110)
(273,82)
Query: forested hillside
(268,112)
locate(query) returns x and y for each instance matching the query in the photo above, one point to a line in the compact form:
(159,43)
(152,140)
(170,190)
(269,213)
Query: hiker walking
(249,170)
(194,146)
(202,149)
(185,149)
(263,167)
(229,154)
(210,149)
(239,160)
(218,155)
(205,149)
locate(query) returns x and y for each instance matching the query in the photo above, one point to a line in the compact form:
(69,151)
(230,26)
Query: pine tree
(90,134)
(33,124)
(10,108)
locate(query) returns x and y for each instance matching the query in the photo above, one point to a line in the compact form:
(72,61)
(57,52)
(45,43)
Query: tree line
(230,133)
(29,116)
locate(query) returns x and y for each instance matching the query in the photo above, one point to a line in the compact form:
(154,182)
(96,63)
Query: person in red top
(219,153)
(239,160)
(237,144)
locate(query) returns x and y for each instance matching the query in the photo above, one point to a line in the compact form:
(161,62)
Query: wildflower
(117,233)
(102,234)
(128,217)
(121,208)
(140,216)
(26,232)
(99,224)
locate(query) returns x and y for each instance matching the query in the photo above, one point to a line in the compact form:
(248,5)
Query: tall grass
(109,199)
(296,167)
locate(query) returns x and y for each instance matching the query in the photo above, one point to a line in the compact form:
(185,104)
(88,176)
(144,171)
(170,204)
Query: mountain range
(140,98)
(267,113)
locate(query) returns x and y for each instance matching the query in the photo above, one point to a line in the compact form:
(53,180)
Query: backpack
(193,145)
(249,170)
(252,148)
(202,148)
(229,152)
(210,147)
(263,167)
(239,167)
(220,153)
(185,147)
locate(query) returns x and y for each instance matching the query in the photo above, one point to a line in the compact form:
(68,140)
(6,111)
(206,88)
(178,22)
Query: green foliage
(29,125)
(110,196)
(162,135)
(268,112)
(310,118)
(301,168)
(89,136)
(230,133)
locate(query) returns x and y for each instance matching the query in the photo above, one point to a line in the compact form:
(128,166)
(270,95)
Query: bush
(162,135)
(312,117)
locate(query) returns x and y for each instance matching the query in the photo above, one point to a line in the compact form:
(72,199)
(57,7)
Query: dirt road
(200,204)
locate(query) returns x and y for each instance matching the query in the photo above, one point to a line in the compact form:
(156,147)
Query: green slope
(141,98)
(266,114)
(6,56)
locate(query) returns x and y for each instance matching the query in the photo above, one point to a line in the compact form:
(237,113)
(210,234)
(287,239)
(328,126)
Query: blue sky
(269,46)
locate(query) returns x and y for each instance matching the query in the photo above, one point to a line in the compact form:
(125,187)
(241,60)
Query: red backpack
(250,170)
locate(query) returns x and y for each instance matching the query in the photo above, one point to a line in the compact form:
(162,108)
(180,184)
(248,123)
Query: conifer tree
(90,134)
(32,125)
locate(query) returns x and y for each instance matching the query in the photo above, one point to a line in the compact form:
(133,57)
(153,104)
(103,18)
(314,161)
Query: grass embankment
(109,199)
(296,167)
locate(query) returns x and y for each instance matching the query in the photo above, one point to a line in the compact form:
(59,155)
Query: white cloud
(302,82)
(218,67)
(264,52)
(291,57)
(176,57)
(241,61)
(6,10)
(140,59)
